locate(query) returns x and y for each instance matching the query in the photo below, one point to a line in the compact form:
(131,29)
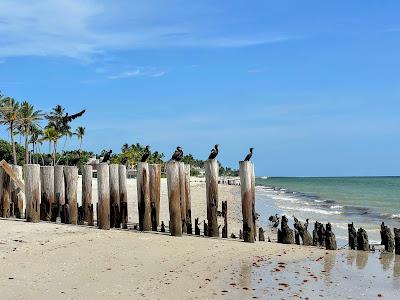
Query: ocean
(366,201)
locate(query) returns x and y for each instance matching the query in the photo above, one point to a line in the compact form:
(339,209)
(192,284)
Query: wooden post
(59,188)
(47,191)
(175,226)
(18,195)
(225,216)
(247,190)
(32,192)
(182,195)
(5,195)
(155,185)
(103,186)
(188,200)
(71,193)
(123,196)
(87,174)
(114,196)
(211,172)
(143,195)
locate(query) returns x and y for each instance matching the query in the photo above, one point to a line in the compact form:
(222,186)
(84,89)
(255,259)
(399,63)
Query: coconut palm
(36,134)
(52,135)
(9,115)
(80,132)
(28,117)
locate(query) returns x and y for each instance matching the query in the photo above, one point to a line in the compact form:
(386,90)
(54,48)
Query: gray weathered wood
(188,200)
(175,226)
(103,190)
(87,175)
(123,196)
(32,192)
(59,185)
(155,185)
(47,191)
(211,173)
(143,196)
(5,195)
(182,195)
(71,192)
(18,194)
(114,196)
(247,191)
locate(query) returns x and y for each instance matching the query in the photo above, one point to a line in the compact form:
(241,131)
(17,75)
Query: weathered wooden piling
(87,176)
(285,234)
(18,195)
(330,239)
(352,236)
(175,225)
(155,185)
(182,195)
(196,226)
(261,236)
(246,171)
(225,216)
(71,193)
(143,196)
(397,240)
(103,186)
(5,195)
(362,240)
(387,238)
(32,192)
(114,196)
(59,185)
(188,200)
(211,173)
(303,232)
(47,192)
(123,196)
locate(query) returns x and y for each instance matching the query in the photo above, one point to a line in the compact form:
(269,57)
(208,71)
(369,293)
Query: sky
(313,86)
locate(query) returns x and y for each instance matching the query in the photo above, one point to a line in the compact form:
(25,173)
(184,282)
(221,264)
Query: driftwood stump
(87,175)
(155,186)
(246,173)
(71,192)
(211,174)
(285,234)
(330,239)
(5,203)
(182,194)
(205,228)
(196,226)
(352,236)
(123,196)
(47,192)
(114,196)
(362,240)
(303,232)
(225,216)
(103,186)
(59,185)
(319,234)
(32,192)
(89,216)
(18,195)
(188,200)
(261,236)
(397,240)
(387,238)
(143,196)
(172,169)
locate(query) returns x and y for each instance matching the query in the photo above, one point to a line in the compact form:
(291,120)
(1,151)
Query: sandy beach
(57,261)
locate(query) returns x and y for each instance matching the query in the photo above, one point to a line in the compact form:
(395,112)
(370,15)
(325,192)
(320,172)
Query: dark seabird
(248,156)
(214,152)
(107,156)
(67,118)
(178,154)
(146,154)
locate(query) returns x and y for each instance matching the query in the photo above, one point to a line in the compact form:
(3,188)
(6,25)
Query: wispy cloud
(137,73)
(83,29)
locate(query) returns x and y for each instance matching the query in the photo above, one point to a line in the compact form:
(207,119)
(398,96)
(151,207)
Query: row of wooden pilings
(51,192)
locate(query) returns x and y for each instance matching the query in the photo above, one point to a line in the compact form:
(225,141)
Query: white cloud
(83,29)
(145,72)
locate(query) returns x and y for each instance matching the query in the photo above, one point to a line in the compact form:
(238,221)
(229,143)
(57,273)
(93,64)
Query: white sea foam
(312,210)
(395,216)
(336,206)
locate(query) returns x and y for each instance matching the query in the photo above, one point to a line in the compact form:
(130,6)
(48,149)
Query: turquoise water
(366,201)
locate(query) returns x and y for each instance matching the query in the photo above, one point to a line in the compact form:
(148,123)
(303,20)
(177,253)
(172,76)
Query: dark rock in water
(261,236)
(387,238)
(330,239)
(205,228)
(296,237)
(162,226)
(397,240)
(240,234)
(285,234)
(196,226)
(319,234)
(362,240)
(303,232)
(352,236)
(233,236)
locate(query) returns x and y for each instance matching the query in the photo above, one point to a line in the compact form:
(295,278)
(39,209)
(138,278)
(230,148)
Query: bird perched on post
(214,152)
(248,156)
(178,154)
(146,154)
(106,156)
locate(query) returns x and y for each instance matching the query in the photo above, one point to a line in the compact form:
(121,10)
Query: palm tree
(28,117)
(51,135)
(80,132)
(36,134)
(9,115)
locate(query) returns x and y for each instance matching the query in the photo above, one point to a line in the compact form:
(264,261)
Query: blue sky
(312,85)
